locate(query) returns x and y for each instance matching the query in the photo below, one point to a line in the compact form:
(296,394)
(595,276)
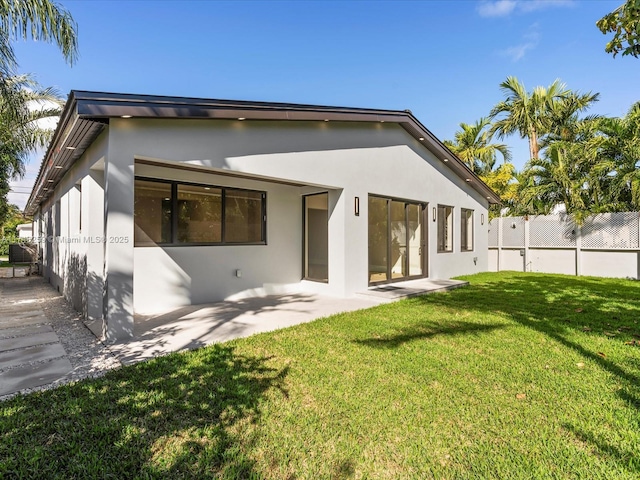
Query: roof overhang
(86,114)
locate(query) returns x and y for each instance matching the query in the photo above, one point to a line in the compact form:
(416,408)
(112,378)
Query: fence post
(578,250)
(526,242)
(500,242)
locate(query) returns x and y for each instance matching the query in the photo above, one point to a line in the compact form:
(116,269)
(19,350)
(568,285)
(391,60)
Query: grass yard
(517,376)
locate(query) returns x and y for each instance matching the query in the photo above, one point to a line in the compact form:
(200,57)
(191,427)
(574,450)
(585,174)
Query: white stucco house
(145,203)
(25,230)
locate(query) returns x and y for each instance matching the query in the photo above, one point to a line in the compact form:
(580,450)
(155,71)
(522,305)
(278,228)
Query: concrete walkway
(31,353)
(43,342)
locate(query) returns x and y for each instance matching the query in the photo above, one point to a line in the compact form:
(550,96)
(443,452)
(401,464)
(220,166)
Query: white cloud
(498,8)
(530,42)
(503,8)
(518,51)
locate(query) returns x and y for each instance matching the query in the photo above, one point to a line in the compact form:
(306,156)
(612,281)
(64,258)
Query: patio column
(93,231)
(118,243)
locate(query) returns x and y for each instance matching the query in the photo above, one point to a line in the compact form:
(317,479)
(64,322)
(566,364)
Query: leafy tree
(624,23)
(534,114)
(472,144)
(620,148)
(14,218)
(503,181)
(39,20)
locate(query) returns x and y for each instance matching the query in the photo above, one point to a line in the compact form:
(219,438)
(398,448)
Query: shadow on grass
(629,459)
(425,331)
(173,417)
(558,307)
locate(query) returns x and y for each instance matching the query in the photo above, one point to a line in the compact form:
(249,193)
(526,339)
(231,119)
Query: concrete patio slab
(198,325)
(39,353)
(32,318)
(30,376)
(412,288)
(31,354)
(195,326)
(20,331)
(28,341)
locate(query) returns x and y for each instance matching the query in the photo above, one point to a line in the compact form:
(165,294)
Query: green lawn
(517,376)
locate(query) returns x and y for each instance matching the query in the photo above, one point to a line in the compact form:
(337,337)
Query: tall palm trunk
(534,148)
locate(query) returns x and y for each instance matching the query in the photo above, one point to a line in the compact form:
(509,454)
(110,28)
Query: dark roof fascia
(101,106)
(457,165)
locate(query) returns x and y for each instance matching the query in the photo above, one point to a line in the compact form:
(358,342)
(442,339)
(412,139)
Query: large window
(186,214)
(466,230)
(445,228)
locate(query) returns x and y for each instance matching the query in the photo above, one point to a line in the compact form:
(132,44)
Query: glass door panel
(316,237)
(414,231)
(378,239)
(398,240)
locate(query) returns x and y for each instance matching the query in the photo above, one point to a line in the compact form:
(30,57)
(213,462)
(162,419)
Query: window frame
(451,225)
(465,224)
(174,215)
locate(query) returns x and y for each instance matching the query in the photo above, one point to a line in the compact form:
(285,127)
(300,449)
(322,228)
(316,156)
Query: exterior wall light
(356,206)
(434,213)
(482,219)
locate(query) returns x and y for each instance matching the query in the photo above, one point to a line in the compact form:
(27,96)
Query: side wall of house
(347,160)
(70,230)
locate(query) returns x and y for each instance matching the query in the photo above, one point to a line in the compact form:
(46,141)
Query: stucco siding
(65,237)
(348,160)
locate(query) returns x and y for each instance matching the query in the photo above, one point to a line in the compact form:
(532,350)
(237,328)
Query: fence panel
(513,232)
(607,244)
(611,231)
(552,231)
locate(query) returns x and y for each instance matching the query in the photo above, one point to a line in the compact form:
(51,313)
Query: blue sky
(443,60)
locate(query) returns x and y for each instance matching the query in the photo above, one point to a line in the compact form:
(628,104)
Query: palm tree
(40,20)
(571,172)
(620,147)
(472,144)
(23,105)
(536,114)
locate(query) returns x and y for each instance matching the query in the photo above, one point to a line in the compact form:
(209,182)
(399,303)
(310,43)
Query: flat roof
(87,113)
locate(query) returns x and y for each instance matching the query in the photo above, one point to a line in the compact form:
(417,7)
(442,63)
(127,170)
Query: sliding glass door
(396,239)
(316,237)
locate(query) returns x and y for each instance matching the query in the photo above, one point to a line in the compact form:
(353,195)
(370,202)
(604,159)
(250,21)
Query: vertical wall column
(337,241)
(118,244)
(93,232)
(356,237)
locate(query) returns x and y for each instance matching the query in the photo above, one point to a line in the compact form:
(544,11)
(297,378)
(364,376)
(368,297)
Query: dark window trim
(174,217)
(473,228)
(452,228)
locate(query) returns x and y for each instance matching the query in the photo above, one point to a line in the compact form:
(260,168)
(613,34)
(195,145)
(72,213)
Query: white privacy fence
(607,245)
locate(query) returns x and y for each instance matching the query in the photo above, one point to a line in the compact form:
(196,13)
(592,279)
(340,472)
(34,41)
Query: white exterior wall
(108,282)
(346,159)
(64,244)
(171,276)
